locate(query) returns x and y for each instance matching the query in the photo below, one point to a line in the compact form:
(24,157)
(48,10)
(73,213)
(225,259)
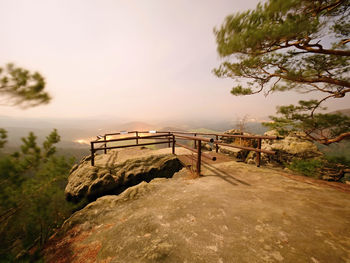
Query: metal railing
(169,137)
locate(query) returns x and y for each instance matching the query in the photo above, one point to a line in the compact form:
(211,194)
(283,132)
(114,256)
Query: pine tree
(284,45)
(22,87)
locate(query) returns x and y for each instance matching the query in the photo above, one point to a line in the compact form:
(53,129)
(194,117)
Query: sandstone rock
(291,144)
(288,148)
(327,178)
(86,181)
(347,177)
(234,213)
(234,152)
(207,147)
(232,132)
(251,158)
(251,161)
(238,141)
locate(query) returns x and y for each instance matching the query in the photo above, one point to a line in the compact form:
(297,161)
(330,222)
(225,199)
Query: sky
(126,59)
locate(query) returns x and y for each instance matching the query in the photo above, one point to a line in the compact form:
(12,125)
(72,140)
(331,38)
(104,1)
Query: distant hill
(73,131)
(134,126)
(256,128)
(344,111)
(170,128)
(204,130)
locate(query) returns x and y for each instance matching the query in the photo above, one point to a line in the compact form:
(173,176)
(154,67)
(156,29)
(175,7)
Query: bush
(338,160)
(308,168)
(32,202)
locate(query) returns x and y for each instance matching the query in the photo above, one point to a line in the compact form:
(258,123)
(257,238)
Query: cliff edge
(234,213)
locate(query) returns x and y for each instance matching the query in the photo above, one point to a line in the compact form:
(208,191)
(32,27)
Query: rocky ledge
(235,212)
(116,171)
(291,147)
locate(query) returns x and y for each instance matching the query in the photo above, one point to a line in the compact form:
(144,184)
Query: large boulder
(233,152)
(236,140)
(236,152)
(292,146)
(89,182)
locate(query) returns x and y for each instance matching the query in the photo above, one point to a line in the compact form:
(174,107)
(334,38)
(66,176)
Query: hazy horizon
(132,61)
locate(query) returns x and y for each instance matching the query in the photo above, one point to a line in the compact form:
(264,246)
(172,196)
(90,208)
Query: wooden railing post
(199,153)
(195,142)
(105,138)
(92,154)
(258,154)
(173,149)
(216,146)
(169,139)
(137,137)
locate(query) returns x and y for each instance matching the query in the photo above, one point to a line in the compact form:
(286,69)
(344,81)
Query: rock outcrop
(236,140)
(290,147)
(294,144)
(233,152)
(234,213)
(237,153)
(89,182)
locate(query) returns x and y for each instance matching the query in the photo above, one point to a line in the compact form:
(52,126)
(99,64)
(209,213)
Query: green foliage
(339,160)
(328,167)
(48,145)
(32,201)
(319,128)
(239,90)
(32,180)
(284,45)
(22,87)
(337,150)
(3,137)
(306,167)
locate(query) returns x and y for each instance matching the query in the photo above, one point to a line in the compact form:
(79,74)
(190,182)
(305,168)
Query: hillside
(343,111)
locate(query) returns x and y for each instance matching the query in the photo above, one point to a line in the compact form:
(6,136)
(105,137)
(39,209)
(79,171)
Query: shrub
(308,167)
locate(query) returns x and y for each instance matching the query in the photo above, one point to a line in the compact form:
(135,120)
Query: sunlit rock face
(292,144)
(237,153)
(290,147)
(234,213)
(110,176)
(238,141)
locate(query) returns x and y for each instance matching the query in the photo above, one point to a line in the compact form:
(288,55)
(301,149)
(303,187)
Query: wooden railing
(169,137)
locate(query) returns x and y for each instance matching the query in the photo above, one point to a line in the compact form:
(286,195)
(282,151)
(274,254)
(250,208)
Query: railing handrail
(129,138)
(195,138)
(126,146)
(118,133)
(213,158)
(218,134)
(170,137)
(232,135)
(245,148)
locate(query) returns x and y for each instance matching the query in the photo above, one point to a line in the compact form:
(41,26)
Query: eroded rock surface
(234,152)
(288,148)
(234,213)
(113,174)
(240,154)
(291,144)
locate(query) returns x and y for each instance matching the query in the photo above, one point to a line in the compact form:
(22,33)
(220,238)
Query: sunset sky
(139,60)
